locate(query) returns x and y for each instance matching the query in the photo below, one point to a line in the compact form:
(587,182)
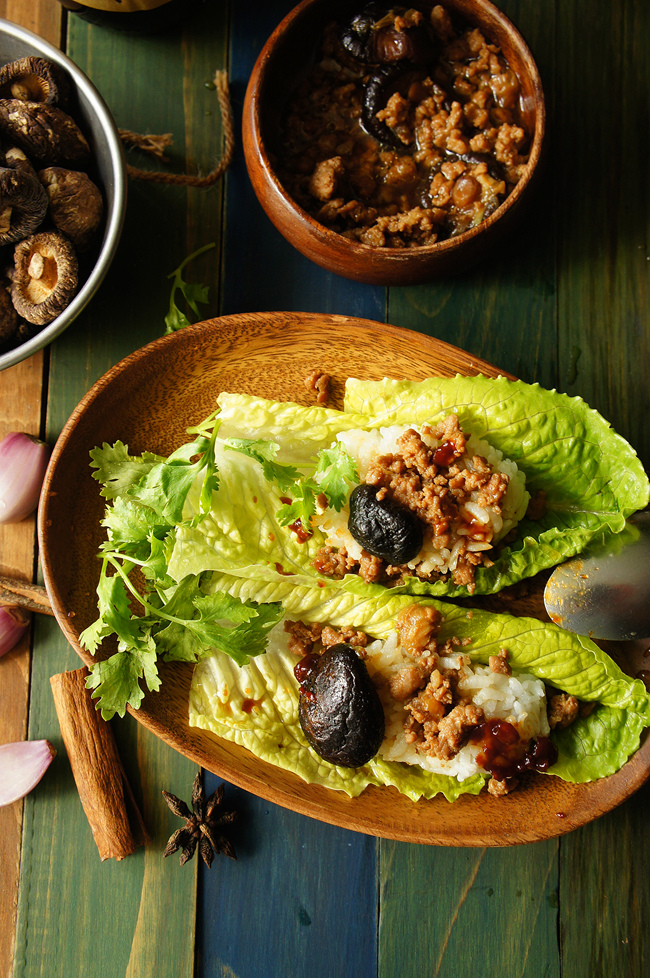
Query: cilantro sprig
(192,293)
(179,623)
(333,473)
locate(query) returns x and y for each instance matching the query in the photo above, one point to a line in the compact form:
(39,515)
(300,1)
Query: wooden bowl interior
(148,401)
(286,56)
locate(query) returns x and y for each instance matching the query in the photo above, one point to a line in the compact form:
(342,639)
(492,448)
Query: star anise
(203,825)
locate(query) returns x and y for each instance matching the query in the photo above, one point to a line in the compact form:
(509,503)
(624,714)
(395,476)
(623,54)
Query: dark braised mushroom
(34,80)
(8,320)
(23,204)
(76,205)
(382,34)
(340,710)
(378,88)
(384,528)
(49,136)
(45,277)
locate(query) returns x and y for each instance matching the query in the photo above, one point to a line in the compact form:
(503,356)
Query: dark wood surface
(566,304)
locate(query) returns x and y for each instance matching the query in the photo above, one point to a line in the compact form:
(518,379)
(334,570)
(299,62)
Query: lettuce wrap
(227,505)
(256,706)
(591,477)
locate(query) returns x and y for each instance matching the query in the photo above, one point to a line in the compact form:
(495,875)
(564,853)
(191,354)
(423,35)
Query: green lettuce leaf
(593,747)
(592,478)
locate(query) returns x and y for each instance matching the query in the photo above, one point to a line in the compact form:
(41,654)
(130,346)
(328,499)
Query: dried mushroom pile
(51,211)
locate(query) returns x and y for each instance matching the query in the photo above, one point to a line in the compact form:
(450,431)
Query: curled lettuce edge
(593,747)
(592,478)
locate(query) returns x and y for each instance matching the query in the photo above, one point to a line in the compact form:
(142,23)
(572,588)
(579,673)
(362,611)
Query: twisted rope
(156,144)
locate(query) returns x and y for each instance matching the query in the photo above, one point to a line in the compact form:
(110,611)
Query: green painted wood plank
(456,913)
(603,256)
(604,314)
(78,915)
(137,917)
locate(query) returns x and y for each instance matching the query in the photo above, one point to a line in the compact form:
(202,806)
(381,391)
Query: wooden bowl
(148,401)
(285,54)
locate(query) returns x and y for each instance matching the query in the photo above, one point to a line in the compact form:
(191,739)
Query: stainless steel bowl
(99,128)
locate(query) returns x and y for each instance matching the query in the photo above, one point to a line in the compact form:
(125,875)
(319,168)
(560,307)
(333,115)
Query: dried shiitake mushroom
(34,80)
(45,276)
(16,159)
(49,136)
(76,204)
(23,204)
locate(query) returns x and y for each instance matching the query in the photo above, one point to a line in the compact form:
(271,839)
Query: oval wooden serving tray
(148,401)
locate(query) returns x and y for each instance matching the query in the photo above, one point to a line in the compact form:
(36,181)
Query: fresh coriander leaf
(335,471)
(264,452)
(117,470)
(197,638)
(193,294)
(166,486)
(116,681)
(303,505)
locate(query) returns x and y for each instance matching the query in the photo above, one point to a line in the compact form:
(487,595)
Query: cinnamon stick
(106,796)
(32,597)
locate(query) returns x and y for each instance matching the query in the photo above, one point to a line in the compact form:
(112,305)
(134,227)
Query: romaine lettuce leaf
(594,746)
(591,476)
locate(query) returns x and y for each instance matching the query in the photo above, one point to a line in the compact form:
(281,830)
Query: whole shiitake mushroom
(45,276)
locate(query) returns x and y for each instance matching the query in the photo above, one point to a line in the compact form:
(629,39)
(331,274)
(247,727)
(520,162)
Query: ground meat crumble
(439,720)
(431,483)
(461,145)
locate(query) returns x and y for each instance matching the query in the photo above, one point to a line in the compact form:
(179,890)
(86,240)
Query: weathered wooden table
(566,305)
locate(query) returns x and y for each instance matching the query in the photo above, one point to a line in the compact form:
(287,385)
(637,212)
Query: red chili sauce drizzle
(300,531)
(297,527)
(280,569)
(445,454)
(249,705)
(505,755)
(303,670)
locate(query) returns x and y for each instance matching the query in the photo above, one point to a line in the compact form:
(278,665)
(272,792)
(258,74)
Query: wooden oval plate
(148,401)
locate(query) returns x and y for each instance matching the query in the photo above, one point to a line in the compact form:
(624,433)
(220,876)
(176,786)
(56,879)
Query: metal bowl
(100,130)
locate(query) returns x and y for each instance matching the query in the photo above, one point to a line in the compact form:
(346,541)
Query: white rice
(364,446)
(519,699)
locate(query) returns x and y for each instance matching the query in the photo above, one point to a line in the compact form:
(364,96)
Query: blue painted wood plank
(302,897)
(262,271)
(300,900)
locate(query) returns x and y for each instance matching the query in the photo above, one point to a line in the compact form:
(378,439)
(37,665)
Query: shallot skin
(13,624)
(23,462)
(22,765)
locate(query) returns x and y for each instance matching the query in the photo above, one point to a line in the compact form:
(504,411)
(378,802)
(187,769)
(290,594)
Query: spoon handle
(32,597)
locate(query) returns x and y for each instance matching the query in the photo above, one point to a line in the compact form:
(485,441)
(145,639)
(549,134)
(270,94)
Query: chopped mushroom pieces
(45,278)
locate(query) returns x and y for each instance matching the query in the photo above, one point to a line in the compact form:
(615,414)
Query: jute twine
(155,146)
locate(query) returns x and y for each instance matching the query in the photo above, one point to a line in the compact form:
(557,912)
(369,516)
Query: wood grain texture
(604,349)
(478,912)
(20,410)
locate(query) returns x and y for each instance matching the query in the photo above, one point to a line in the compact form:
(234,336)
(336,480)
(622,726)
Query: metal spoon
(605,592)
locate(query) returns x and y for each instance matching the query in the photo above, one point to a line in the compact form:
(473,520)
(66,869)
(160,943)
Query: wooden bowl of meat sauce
(394,145)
